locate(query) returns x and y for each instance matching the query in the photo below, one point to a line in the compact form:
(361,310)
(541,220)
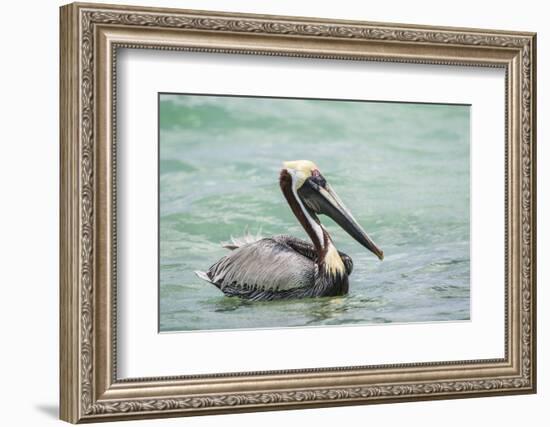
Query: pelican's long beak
(321,199)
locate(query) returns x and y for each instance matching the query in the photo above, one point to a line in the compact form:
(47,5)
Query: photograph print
(286,212)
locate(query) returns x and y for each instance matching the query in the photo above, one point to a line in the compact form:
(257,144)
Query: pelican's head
(318,197)
(300,170)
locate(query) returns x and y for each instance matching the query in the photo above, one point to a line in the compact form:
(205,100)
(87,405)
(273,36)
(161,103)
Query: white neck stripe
(314,225)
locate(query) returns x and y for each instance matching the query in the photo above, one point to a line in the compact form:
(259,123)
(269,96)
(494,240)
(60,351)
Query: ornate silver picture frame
(91,37)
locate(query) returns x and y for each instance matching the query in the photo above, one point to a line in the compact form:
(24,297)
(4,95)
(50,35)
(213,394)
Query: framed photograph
(267,212)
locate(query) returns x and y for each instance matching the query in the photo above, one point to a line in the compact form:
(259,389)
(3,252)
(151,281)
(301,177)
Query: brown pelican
(284,267)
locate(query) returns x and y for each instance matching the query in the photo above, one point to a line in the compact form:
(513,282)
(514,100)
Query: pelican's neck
(327,254)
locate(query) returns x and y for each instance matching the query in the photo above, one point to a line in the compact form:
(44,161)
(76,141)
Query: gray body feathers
(274,268)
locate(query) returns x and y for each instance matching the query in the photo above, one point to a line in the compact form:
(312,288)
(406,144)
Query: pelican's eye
(317,178)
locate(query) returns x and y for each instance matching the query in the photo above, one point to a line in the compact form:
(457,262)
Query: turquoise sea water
(402,170)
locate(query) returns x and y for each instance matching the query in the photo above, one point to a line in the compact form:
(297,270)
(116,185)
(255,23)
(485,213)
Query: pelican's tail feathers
(204,276)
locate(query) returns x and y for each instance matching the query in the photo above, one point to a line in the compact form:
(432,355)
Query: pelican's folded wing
(301,246)
(266,265)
